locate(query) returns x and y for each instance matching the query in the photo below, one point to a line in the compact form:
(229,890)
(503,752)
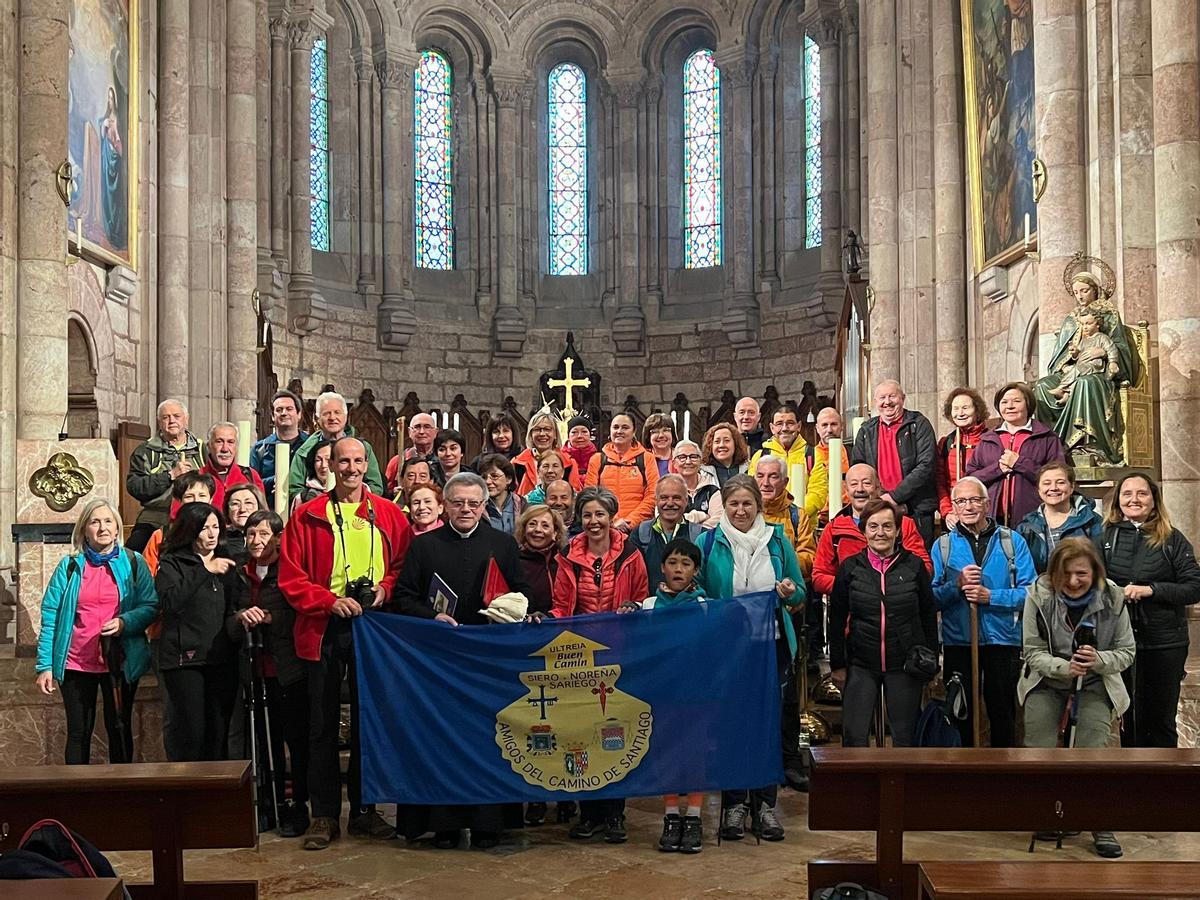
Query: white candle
(798,482)
(855,424)
(687,424)
(283,462)
(445,421)
(1027,239)
(674,420)
(245,439)
(456,421)
(835,476)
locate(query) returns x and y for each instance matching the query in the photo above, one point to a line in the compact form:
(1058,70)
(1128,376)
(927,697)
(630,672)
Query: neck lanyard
(337,515)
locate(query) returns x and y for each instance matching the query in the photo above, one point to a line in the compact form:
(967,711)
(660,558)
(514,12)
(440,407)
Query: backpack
(934,726)
(58,845)
(1006,545)
(73,567)
(810,456)
(639,461)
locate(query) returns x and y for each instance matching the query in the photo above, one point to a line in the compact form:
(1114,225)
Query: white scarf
(752,568)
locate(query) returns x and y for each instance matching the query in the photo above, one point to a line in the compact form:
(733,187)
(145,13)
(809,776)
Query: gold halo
(1080,264)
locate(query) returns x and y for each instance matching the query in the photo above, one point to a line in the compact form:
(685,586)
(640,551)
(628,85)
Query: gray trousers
(1044,707)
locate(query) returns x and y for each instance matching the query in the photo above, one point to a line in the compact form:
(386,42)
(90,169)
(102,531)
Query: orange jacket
(530,480)
(632,481)
(622,577)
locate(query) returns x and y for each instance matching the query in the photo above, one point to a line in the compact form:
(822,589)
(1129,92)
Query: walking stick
(114,657)
(976,725)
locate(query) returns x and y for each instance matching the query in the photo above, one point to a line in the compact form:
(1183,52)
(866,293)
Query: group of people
(929,541)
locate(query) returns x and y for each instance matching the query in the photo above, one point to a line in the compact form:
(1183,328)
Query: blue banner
(592,707)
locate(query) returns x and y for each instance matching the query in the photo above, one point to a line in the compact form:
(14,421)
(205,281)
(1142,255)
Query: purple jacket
(1041,447)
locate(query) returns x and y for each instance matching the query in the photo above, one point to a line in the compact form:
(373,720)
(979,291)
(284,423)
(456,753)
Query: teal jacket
(298,473)
(138,608)
(716,573)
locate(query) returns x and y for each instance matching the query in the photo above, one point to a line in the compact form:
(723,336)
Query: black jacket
(277,635)
(917,445)
(874,627)
(1159,621)
(196,607)
(540,569)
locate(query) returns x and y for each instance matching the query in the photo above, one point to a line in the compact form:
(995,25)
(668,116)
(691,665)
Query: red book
(493,583)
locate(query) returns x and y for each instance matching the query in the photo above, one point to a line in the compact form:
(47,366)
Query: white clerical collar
(466,534)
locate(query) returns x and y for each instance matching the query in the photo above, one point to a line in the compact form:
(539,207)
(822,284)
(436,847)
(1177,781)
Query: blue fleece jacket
(1000,618)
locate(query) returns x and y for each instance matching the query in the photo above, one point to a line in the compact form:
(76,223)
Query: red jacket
(948,469)
(528,462)
(306,563)
(622,577)
(235,475)
(841,539)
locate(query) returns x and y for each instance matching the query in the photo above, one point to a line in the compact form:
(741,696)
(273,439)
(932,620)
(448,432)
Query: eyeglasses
(687,457)
(464,504)
(597,570)
(969,501)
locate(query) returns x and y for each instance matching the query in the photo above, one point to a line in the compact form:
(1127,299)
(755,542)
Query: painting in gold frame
(1001,128)
(102,129)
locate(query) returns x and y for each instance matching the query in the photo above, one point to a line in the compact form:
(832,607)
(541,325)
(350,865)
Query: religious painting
(102,133)
(998,66)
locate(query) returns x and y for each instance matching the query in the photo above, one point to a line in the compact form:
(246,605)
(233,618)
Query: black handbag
(921,663)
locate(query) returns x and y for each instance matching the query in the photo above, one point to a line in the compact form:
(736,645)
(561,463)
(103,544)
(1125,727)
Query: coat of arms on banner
(574,730)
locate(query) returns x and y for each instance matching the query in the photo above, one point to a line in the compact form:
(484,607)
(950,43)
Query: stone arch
(666,21)
(588,33)
(83,416)
(487,24)
(88,308)
(469,46)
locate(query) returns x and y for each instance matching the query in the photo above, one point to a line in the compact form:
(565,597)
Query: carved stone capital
(301,34)
(120,285)
(509,331)
(364,67)
(512,94)
(397,323)
(629,331)
(741,322)
(279,27)
(653,89)
(828,31)
(393,73)
(737,69)
(627,92)
(306,308)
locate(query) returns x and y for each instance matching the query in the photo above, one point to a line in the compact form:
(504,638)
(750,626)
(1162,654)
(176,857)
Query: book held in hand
(441,598)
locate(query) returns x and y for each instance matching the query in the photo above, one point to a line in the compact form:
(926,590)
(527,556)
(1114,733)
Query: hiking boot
(733,827)
(485,840)
(672,832)
(535,814)
(585,828)
(692,839)
(446,840)
(614,830)
(293,819)
(565,811)
(371,824)
(765,825)
(1106,844)
(321,833)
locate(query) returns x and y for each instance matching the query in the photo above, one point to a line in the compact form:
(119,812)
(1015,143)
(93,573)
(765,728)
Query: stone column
(827,34)
(484,251)
(851,202)
(280,76)
(509,323)
(306,306)
(270,282)
(41,218)
(1133,164)
(397,316)
(879,31)
(768,69)
(949,261)
(1100,130)
(741,318)
(1058,44)
(241,215)
(364,73)
(174,215)
(629,324)
(651,228)
(1175,28)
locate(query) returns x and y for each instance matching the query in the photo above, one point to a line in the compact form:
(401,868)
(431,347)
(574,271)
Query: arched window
(567,170)
(319,151)
(434,165)
(701,161)
(812,143)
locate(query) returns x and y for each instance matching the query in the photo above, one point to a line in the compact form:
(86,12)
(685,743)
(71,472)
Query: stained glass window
(812,143)
(567,170)
(701,161)
(434,164)
(319,151)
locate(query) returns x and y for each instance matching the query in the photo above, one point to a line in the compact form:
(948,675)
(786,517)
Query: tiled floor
(542,862)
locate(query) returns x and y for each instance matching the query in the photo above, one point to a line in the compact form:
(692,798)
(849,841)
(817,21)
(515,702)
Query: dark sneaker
(1106,844)
(692,839)
(321,833)
(733,826)
(796,778)
(585,828)
(446,840)
(614,830)
(765,825)
(535,813)
(484,840)
(293,819)
(565,810)
(672,832)
(371,824)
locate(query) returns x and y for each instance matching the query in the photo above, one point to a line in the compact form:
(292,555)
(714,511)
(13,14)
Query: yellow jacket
(798,530)
(817,494)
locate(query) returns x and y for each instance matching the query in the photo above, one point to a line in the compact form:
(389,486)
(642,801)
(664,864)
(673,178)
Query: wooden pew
(1073,880)
(892,790)
(162,807)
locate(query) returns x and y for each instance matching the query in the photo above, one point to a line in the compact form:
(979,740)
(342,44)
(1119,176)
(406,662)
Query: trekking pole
(110,648)
(257,674)
(1085,634)
(976,724)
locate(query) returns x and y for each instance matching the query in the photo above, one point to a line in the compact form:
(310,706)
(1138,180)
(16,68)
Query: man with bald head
(830,425)
(422,429)
(748,417)
(901,446)
(341,554)
(841,538)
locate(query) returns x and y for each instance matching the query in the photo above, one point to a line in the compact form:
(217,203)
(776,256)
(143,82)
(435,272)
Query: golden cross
(569,384)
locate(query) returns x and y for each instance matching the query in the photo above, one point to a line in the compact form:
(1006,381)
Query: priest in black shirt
(458,554)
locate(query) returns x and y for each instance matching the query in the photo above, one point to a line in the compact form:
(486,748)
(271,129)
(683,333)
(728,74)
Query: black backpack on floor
(49,849)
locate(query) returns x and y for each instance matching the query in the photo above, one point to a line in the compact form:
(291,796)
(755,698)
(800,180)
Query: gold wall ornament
(62,181)
(61,482)
(1039,179)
